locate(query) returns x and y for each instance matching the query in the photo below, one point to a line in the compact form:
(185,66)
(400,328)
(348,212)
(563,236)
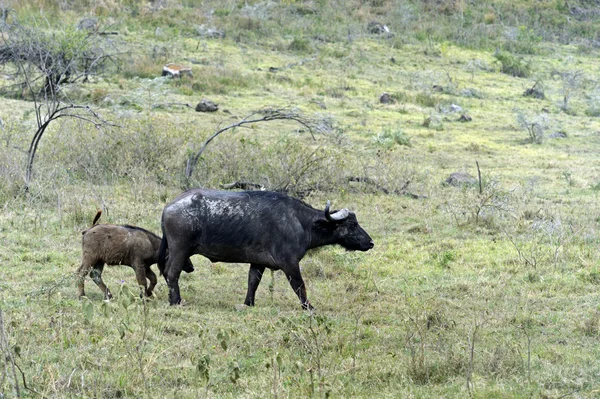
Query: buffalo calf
(119,245)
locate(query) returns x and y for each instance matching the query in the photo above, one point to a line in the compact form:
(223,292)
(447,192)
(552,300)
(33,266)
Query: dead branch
(292,65)
(243,185)
(263,115)
(8,356)
(401,191)
(164,105)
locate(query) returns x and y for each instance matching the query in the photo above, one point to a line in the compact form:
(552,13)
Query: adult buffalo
(263,228)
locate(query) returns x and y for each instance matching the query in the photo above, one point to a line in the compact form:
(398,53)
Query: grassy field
(484,291)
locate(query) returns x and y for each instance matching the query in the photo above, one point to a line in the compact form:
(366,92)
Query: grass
(489,295)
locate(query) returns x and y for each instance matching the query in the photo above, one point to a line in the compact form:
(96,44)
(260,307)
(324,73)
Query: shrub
(511,65)
(535,126)
(391,136)
(300,45)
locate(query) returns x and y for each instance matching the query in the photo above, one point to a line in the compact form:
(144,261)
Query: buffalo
(263,228)
(119,245)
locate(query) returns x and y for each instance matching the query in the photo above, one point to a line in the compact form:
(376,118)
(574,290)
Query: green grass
(491,294)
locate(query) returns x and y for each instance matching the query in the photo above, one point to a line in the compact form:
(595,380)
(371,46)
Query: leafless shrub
(535,126)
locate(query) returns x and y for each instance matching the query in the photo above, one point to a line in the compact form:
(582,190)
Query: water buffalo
(265,229)
(119,245)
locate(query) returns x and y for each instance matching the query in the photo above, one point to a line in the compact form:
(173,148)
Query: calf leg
(254,276)
(96,275)
(152,277)
(295,278)
(140,275)
(81,272)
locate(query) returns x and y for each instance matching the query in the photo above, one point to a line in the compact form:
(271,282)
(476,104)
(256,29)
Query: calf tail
(98,214)
(162,253)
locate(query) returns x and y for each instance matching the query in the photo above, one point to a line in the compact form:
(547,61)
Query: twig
(8,354)
(401,191)
(291,65)
(479,176)
(160,105)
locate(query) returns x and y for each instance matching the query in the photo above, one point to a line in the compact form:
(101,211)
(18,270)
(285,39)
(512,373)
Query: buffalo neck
(321,231)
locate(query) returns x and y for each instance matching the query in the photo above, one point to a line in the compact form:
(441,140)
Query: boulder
(385,98)
(209,33)
(460,179)
(89,24)
(206,106)
(377,28)
(176,71)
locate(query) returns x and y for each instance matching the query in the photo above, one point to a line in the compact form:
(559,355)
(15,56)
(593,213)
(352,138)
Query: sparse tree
(572,82)
(45,60)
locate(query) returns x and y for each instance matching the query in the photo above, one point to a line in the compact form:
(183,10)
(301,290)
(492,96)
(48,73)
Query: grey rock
(89,24)
(460,179)
(558,135)
(206,106)
(385,98)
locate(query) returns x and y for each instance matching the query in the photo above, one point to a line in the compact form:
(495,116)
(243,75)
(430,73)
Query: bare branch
(268,114)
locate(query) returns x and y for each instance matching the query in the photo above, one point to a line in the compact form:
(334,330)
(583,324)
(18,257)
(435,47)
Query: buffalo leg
(295,279)
(254,276)
(152,277)
(96,275)
(174,267)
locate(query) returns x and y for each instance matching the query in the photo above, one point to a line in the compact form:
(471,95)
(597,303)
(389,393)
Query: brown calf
(119,245)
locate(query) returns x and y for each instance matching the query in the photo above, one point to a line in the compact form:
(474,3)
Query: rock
(89,24)
(210,33)
(470,93)
(455,108)
(558,135)
(377,28)
(465,118)
(460,179)
(206,106)
(175,70)
(385,98)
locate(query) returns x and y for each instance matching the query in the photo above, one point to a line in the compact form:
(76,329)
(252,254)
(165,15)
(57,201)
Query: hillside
(484,288)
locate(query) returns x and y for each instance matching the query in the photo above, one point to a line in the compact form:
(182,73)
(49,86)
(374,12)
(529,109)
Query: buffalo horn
(336,217)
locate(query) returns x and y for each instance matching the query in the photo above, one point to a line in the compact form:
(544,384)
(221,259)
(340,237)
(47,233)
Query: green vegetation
(486,290)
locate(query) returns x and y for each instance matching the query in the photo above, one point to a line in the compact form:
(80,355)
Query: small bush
(300,45)
(391,136)
(514,66)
